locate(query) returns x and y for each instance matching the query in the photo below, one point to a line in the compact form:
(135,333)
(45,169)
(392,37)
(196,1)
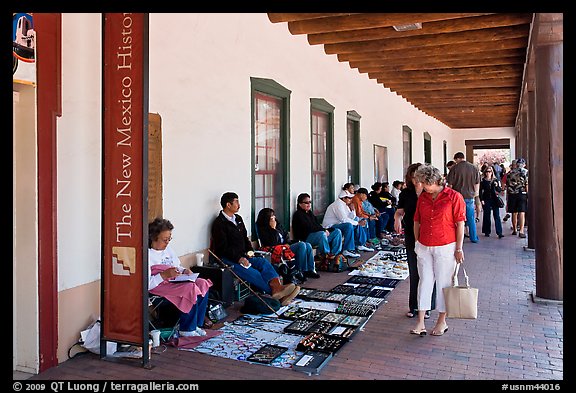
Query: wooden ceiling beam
(483,101)
(439,51)
(445,79)
(501,109)
(496,82)
(292,17)
(399,66)
(472,22)
(456,57)
(447,93)
(366,21)
(471,37)
(476,71)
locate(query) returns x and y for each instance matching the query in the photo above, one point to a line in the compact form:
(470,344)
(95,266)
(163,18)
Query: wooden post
(533,229)
(548,53)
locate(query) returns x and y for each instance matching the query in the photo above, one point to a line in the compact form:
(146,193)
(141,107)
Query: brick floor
(512,339)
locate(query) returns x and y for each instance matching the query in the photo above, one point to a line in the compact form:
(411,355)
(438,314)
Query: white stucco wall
(200,69)
(79,151)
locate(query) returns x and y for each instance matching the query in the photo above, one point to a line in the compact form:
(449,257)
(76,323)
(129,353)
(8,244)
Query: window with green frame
(406,147)
(427,148)
(270,136)
(322,130)
(353,147)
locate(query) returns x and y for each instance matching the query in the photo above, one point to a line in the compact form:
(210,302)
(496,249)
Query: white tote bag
(461,301)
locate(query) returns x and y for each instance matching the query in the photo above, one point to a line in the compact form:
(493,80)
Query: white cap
(345,193)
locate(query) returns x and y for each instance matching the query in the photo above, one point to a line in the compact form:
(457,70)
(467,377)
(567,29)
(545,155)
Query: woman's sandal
(411,314)
(439,332)
(420,332)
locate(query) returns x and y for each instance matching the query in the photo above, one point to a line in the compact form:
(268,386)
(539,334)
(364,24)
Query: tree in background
(492,156)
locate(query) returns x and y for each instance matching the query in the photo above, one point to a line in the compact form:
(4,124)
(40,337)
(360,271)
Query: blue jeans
(347,230)
(360,235)
(189,321)
(304,257)
(385,218)
(259,274)
(486,224)
(326,244)
(372,228)
(470,220)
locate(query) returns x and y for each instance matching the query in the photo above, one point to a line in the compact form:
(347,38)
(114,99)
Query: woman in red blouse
(439,233)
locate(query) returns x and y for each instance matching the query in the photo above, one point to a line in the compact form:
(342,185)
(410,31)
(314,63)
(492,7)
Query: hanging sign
(125,57)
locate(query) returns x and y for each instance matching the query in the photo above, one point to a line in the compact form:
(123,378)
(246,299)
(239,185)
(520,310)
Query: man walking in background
(464,177)
(517,189)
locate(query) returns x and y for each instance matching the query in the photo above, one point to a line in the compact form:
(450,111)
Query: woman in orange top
(439,233)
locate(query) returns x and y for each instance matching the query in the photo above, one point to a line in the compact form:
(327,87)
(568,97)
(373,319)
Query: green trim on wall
(353,115)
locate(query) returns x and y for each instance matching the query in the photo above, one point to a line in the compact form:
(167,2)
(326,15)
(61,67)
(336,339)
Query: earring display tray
(321,343)
(355,299)
(319,295)
(341,331)
(337,297)
(343,288)
(353,320)
(312,362)
(357,309)
(313,315)
(294,312)
(333,317)
(376,281)
(299,326)
(304,292)
(361,291)
(320,327)
(266,354)
(373,301)
(379,292)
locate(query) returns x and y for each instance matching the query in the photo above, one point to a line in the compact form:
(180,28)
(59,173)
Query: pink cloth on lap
(182,294)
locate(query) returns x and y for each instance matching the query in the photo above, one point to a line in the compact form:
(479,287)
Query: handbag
(500,202)
(335,265)
(216,312)
(279,253)
(461,301)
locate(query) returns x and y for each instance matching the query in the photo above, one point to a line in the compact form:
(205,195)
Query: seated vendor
(191,298)
(230,243)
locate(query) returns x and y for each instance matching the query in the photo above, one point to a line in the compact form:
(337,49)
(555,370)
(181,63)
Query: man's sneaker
(200,331)
(364,248)
(184,333)
(350,254)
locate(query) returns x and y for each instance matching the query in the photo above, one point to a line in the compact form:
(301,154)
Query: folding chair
(163,316)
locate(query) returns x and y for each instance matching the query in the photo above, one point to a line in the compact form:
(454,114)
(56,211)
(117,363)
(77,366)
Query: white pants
(435,264)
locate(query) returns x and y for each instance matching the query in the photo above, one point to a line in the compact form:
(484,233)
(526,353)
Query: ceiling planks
(464,69)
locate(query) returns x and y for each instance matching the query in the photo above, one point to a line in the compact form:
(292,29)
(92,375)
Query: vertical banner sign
(123,139)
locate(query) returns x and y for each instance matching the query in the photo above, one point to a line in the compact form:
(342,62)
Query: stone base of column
(539,300)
